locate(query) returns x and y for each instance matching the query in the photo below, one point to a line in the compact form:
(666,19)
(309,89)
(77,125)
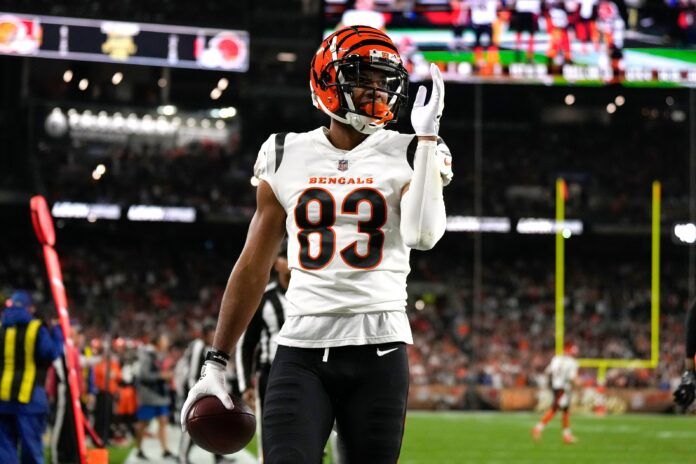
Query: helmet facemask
(383,86)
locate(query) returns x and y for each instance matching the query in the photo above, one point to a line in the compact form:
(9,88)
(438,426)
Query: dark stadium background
(481,304)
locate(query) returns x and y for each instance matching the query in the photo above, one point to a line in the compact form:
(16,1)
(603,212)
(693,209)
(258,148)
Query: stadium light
(611,108)
(254,181)
(167,110)
(100,170)
(287,57)
(569,99)
(67,76)
(420,305)
(227,113)
(162,82)
(478,224)
(678,116)
(686,233)
(619,100)
(84,83)
(223,83)
(117,78)
(215,93)
(67,209)
(548,226)
(669,101)
(161,213)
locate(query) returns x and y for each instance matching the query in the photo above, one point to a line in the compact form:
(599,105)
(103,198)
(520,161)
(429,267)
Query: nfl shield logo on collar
(342,165)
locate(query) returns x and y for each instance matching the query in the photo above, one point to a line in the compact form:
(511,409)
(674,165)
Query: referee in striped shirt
(257,347)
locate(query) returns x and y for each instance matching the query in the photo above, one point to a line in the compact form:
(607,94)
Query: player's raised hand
(211,383)
(686,391)
(425,117)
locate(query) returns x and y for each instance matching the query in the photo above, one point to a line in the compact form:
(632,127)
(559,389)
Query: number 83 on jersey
(319,216)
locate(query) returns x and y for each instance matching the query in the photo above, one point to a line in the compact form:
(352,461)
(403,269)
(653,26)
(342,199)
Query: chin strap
(362,124)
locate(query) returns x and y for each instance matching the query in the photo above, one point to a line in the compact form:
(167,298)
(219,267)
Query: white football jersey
(563,370)
(528,6)
(587,8)
(343,218)
(484,11)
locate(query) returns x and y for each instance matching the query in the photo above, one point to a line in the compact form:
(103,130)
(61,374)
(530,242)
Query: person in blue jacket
(28,347)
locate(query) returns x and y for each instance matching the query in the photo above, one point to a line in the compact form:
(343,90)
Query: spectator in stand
(107,375)
(127,397)
(153,393)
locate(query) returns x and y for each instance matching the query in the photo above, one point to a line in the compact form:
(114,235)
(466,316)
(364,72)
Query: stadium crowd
(215,179)
(136,290)
(207,176)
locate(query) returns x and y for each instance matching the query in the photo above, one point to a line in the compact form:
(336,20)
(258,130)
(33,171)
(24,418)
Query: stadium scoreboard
(123,42)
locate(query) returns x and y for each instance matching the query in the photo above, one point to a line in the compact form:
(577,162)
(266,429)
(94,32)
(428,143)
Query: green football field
(502,438)
(496,438)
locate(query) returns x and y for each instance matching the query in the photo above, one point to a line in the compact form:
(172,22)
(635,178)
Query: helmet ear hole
(320,82)
(325,77)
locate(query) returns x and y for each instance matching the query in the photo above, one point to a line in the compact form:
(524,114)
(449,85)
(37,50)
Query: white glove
(426,118)
(211,383)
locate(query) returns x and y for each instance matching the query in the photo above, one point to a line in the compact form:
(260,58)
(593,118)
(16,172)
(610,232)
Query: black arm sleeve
(691,332)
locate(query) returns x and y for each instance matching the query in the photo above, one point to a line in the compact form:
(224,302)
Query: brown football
(219,430)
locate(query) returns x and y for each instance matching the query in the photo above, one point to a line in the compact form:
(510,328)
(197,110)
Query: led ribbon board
(123,42)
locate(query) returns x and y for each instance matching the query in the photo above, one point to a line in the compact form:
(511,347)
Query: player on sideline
(686,391)
(562,372)
(352,206)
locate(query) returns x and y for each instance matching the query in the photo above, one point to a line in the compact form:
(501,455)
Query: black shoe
(168,455)
(140,455)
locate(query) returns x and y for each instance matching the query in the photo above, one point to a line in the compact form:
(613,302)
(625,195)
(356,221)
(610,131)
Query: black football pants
(363,388)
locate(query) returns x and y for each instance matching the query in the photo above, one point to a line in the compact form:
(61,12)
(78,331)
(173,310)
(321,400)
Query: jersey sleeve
(269,160)
(263,170)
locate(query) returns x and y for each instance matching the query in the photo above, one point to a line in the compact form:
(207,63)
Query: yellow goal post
(602,364)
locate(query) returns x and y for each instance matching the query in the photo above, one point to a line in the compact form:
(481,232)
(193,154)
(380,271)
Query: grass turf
(505,438)
(488,438)
(506,56)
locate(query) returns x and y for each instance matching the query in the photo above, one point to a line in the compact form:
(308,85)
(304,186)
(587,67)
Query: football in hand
(219,430)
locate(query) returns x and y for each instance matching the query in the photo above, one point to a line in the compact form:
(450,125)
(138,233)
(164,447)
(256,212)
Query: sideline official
(28,348)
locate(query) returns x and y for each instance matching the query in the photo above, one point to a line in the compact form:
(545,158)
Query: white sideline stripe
(152,450)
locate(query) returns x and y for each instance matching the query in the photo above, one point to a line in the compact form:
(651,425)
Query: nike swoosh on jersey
(382,353)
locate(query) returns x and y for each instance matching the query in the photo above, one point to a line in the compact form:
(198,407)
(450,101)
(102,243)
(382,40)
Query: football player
(686,392)
(557,24)
(562,373)
(525,18)
(484,13)
(353,205)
